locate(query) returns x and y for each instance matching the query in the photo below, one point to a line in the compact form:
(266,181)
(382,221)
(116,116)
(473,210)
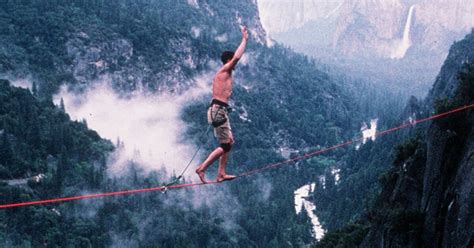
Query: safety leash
(177,179)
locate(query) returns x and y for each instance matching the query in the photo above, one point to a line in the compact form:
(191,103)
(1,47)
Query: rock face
(461,53)
(361,26)
(114,60)
(370,27)
(283,16)
(440,17)
(447,199)
(427,199)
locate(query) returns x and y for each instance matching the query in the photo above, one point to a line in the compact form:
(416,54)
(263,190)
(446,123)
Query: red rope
(315,153)
(254,171)
(81,197)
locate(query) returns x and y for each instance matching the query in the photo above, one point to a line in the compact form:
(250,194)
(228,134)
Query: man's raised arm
(239,52)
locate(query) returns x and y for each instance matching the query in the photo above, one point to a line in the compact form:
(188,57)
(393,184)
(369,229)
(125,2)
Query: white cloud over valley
(150,126)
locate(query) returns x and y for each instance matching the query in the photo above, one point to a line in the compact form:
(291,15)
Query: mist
(149,126)
(150,132)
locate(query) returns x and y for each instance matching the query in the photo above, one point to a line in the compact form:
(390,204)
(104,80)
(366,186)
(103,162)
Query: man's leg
(218,152)
(221,174)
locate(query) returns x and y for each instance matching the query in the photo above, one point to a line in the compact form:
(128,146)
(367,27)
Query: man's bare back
(222,86)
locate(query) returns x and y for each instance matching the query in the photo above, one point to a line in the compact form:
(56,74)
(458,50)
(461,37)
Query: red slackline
(248,173)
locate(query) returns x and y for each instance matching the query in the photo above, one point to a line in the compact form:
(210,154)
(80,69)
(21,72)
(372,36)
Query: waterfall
(405,43)
(300,200)
(368,133)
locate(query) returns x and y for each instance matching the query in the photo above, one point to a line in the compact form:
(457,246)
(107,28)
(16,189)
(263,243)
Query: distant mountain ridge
(369,28)
(398,45)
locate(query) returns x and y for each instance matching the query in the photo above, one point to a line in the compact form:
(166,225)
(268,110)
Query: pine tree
(6,151)
(34,89)
(61,105)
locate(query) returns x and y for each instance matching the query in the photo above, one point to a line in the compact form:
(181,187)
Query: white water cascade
(300,200)
(403,45)
(368,133)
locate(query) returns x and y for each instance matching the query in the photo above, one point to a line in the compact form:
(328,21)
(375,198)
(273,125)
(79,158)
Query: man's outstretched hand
(245,33)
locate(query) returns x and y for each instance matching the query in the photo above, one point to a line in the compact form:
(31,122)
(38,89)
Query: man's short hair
(226,56)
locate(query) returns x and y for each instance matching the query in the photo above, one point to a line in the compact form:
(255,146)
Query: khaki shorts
(217,113)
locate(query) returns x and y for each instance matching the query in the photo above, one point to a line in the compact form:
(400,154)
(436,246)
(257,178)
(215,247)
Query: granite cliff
(427,199)
(369,28)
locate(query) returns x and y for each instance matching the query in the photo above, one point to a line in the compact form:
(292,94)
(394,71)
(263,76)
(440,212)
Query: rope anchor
(174,182)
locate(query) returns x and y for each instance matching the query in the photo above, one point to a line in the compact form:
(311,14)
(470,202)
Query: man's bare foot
(201,175)
(225,178)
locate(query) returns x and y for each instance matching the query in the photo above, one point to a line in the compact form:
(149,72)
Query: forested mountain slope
(155,45)
(38,138)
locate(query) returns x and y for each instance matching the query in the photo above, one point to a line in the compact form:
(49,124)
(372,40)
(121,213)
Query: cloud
(265,187)
(222,38)
(22,83)
(216,198)
(196,32)
(150,126)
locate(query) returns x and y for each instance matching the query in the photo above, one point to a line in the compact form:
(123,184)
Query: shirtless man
(217,114)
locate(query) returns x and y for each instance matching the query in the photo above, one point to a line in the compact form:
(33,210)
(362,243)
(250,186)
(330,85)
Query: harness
(222,105)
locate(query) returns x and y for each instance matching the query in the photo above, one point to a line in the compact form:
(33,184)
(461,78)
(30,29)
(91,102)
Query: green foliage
(401,221)
(38,138)
(465,90)
(40,32)
(405,150)
(464,93)
(349,236)
(360,170)
(39,38)
(33,130)
(290,105)
(463,96)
